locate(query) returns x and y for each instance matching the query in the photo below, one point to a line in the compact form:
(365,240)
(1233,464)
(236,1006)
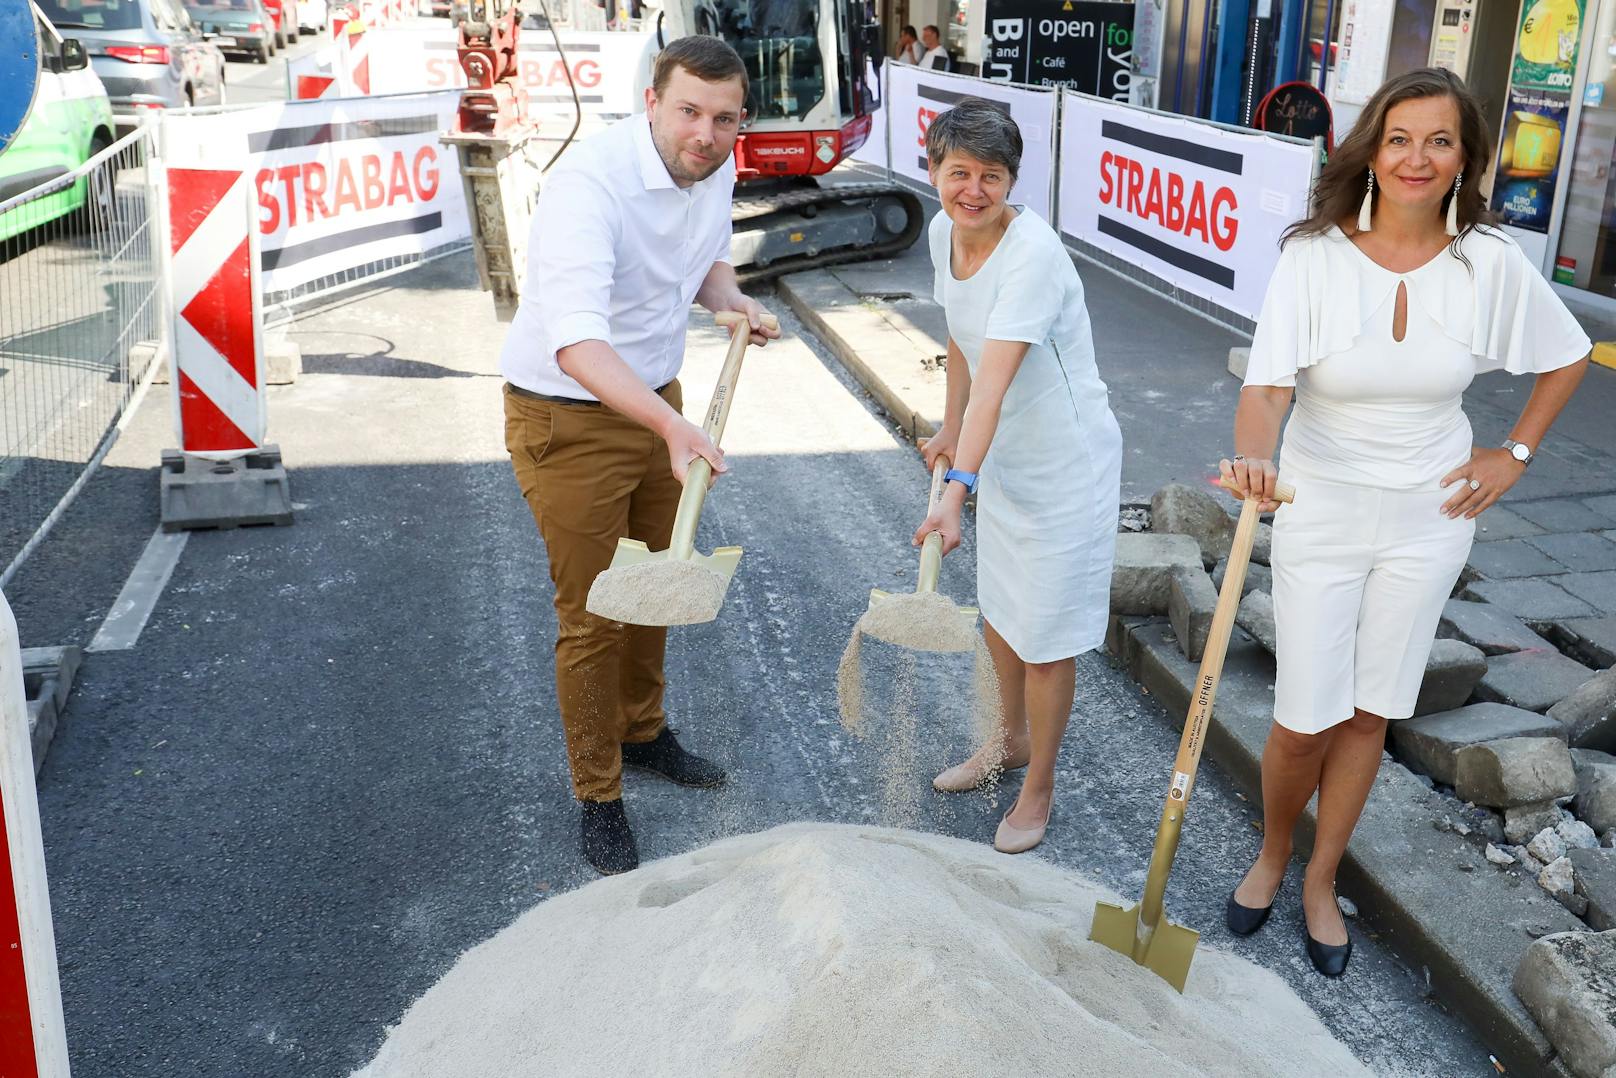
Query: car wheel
(280,38)
(293,34)
(262,56)
(96,212)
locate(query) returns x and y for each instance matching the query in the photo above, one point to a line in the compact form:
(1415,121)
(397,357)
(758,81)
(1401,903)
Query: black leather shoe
(605,838)
(1329,959)
(666,757)
(1243,920)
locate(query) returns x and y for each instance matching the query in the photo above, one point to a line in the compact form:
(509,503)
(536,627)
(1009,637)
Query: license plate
(224,42)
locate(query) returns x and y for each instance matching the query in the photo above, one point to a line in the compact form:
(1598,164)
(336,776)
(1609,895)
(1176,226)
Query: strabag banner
(1200,206)
(916,96)
(337,183)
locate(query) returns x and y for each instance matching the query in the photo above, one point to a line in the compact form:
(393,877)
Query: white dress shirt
(909,54)
(937,59)
(617,253)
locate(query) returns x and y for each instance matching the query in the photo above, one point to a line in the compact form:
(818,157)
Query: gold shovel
(680,586)
(923,619)
(1142,932)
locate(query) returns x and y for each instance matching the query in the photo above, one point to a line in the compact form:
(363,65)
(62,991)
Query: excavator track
(830,226)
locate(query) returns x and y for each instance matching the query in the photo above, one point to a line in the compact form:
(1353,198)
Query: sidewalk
(1547,556)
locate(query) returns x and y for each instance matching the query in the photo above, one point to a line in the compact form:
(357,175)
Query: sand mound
(817,949)
(925,621)
(658,593)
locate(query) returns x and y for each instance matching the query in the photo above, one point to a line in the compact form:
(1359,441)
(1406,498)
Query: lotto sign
(917,96)
(1200,206)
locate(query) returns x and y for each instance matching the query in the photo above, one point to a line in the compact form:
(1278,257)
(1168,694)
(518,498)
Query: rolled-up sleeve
(572,259)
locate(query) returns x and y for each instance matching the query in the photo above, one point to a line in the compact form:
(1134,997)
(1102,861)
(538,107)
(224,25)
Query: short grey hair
(977,128)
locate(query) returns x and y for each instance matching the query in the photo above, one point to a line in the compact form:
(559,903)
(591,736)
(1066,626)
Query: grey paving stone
(1597,589)
(1452,671)
(1492,629)
(1588,713)
(1568,982)
(1595,802)
(1592,640)
(1501,523)
(1509,558)
(1604,504)
(1534,680)
(1563,515)
(1514,771)
(1595,873)
(1532,598)
(1430,744)
(1180,509)
(1581,552)
(1190,602)
(1145,564)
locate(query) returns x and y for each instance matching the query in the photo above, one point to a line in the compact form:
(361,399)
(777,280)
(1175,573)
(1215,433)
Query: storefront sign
(1297,109)
(1546,47)
(1534,134)
(1199,206)
(917,96)
(1085,45)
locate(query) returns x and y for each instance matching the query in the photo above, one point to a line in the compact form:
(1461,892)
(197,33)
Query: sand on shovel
(827,950)
(665,592)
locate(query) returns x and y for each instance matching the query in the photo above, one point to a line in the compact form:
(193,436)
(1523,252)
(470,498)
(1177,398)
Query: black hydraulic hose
(577,105)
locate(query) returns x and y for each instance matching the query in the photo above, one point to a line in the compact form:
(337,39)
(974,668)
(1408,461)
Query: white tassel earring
(1453,206)
(1366,211)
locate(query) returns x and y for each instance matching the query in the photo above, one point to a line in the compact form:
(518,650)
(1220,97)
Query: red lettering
(375,193)
(1105,177)
(532,73)
(1153,198)
(426,173)
(1224,225)
(435,74)
(347,193)
(269,211)
(1175,202)
(1136,180)
(314,190)
(287,174)
(587,74)
(398,181)
(1197,215)
(925,116)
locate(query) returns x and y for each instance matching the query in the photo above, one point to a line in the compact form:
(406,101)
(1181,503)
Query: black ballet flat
(1243,920)
(1329,960)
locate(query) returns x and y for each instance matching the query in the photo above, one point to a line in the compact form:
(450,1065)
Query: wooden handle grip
(1283,492)
(740,335)
(938,471)
(731,319)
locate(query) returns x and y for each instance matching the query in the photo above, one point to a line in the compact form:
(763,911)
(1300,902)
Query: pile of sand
(818,949)
(663,592)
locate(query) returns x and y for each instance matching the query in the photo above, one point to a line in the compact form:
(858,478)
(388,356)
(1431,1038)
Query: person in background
(1385,304)
(1026,408)
(935,57)
(909,51)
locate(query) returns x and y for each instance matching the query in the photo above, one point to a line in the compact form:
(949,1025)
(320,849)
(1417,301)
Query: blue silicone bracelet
(970,479)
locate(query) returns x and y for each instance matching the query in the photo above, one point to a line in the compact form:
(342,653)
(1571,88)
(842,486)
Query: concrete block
(1499,523)
(1568,982)
(1258,578)
(1256,616)
(1532,598)
(1180,509)
(1595,874)
(1430,744)
(1595,803)
(1591,641)
(1451,673)
(1514,771)
(1588,713)
(1262,547)
(1190,604)
(1581,552)
(1535,680)
(1563,515)
(1596,589)
(1510,558)
(1142,576)
(42,718)
(199,493)
(283,361)
(1239,359)
(1492,629)
(58,663)
(1522,823)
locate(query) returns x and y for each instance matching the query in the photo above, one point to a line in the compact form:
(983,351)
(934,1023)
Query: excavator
(811,65)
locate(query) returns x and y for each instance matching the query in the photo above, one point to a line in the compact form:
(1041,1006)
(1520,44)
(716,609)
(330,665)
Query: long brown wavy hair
(1339,190)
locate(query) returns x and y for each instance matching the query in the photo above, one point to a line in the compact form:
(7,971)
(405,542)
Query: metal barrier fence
(81,320)
(282,307)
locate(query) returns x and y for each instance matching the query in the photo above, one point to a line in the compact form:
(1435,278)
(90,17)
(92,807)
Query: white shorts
(1360,578)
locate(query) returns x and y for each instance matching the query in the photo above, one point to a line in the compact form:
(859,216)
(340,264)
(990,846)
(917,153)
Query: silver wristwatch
(1519,450)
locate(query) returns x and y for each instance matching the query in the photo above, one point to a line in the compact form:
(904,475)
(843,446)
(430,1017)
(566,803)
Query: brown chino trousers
(591,475)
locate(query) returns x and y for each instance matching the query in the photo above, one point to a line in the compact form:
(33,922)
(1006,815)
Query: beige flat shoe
(1010,839)
(963,778)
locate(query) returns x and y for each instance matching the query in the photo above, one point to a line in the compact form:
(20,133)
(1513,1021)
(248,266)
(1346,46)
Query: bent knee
(1291,743)
(1364,722)
(1058,668)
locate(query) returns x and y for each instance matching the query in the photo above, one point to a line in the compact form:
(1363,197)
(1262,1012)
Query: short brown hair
(708,58)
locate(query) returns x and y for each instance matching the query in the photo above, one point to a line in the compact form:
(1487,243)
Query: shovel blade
(1167,950)
(723,560)
(657,599)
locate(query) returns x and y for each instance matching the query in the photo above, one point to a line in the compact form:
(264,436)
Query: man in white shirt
(908,46)
(631,228)
(936,57)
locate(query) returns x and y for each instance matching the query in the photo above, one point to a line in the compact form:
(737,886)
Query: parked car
(70,122)
(313,16)
(148,53)
(235,27)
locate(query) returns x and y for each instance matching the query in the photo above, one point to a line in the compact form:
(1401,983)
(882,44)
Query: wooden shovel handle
(1283,492)
(740,335)
(939,469)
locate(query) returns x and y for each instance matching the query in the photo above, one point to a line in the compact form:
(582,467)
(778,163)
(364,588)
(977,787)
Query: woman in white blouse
(1027,410)
(1386,302)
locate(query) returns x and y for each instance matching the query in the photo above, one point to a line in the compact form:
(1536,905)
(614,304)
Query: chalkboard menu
(1086,45)
(1299,109)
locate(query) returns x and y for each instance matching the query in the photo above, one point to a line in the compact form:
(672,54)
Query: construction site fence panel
(82,323)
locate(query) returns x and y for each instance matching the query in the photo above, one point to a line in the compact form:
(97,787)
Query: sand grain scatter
(823,951)
(665,592)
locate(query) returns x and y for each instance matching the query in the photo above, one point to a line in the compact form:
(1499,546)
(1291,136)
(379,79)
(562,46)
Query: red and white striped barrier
(218,319)
(33,1038)
(357,60)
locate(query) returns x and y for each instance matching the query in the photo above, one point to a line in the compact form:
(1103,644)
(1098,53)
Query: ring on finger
(1475,484)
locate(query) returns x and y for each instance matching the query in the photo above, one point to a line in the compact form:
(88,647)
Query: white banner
(603,66)
(338,183)
(1200,206)
(916,96)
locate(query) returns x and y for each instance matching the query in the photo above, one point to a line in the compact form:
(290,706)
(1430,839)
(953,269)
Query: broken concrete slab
(1595,872)
(1191,601)
(1591,641)
(1180,509)
(1568,982)
(1531,599)
(1142,576)
(1588,713)
(1452,671)
(1256,616)
(1258,577)
(1514,771)
(1430,743)
(1492,629)
(1595,802)
(1534,680)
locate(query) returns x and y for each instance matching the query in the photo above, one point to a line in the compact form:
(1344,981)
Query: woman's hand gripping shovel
(680,586)
(1142,932)
(925,619)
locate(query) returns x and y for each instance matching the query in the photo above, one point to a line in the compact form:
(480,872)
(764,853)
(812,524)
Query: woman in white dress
(1386,302)
(1028,413)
